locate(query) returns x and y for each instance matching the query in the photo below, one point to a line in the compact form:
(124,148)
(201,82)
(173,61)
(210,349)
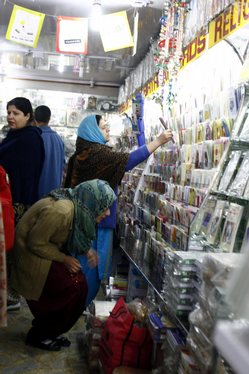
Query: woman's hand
(92,258)
(165,137)
(72,264)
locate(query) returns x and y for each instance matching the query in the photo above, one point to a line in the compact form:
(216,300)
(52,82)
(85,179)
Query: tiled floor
(17,358)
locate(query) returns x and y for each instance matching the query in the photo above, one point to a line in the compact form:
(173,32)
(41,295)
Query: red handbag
(123,343)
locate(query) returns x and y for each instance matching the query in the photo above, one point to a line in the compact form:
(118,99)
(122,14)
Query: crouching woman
(44,272)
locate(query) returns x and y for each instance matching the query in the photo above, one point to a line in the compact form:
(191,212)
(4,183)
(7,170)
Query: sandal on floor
(47,344)
(62,341)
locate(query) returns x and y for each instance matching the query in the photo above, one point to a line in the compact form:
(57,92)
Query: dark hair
(98,118)
(22,104)
(42,114)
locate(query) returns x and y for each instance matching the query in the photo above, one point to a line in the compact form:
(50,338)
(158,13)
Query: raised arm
(142,153)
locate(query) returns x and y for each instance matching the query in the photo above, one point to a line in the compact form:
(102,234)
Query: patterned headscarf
(89,130)
(90,200)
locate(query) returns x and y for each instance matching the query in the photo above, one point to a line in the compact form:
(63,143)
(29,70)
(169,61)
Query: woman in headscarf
(94,159)
(45,272)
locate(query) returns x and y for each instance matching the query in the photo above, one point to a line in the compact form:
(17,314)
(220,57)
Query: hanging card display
(25,26)
(71,35)
(231,226)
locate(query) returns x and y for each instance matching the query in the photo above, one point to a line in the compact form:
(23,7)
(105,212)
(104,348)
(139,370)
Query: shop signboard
(233,18)
(195,48)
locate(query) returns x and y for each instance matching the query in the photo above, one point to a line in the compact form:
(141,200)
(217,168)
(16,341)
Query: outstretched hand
(163,138)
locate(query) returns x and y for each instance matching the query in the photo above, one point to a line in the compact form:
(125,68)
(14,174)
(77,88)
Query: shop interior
(180,259)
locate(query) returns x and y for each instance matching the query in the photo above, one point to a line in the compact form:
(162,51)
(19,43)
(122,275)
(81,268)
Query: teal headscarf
(89,130)
(90,200)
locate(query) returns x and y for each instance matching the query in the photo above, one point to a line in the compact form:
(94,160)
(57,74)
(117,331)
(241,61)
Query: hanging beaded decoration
(168,52)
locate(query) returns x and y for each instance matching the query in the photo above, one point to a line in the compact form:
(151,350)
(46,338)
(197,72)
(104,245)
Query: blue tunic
(52,171)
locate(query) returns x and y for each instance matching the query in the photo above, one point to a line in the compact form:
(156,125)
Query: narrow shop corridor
(16,357)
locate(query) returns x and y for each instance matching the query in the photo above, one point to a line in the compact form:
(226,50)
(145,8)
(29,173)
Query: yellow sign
(194,49)
(233,17)
(115,31)
(245,13)
(25,26)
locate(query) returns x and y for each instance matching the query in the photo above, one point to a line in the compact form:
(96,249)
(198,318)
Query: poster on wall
(71,35)
(25,26)
(115,31)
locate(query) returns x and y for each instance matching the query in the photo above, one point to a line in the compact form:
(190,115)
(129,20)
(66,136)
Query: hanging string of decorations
(168,51)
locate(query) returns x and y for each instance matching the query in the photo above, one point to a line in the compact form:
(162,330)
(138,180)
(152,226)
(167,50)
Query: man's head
(42,115)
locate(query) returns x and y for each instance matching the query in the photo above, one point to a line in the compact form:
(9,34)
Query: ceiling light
(95,15)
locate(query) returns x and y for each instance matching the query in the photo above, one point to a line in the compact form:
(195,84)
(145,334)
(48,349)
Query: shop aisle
(16,357)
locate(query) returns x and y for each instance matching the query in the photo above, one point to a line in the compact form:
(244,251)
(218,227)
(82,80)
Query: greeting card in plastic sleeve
(230,228)
(244,134)
(239,183)
(208,211)
(230,170)
(215,227)
(242,115)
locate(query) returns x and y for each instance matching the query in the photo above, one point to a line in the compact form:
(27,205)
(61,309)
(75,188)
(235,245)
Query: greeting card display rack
(222,225)
(157,204)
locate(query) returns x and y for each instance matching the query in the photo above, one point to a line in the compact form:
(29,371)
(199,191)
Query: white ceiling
(100,68)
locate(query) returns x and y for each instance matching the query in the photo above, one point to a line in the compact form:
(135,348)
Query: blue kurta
(52,171)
